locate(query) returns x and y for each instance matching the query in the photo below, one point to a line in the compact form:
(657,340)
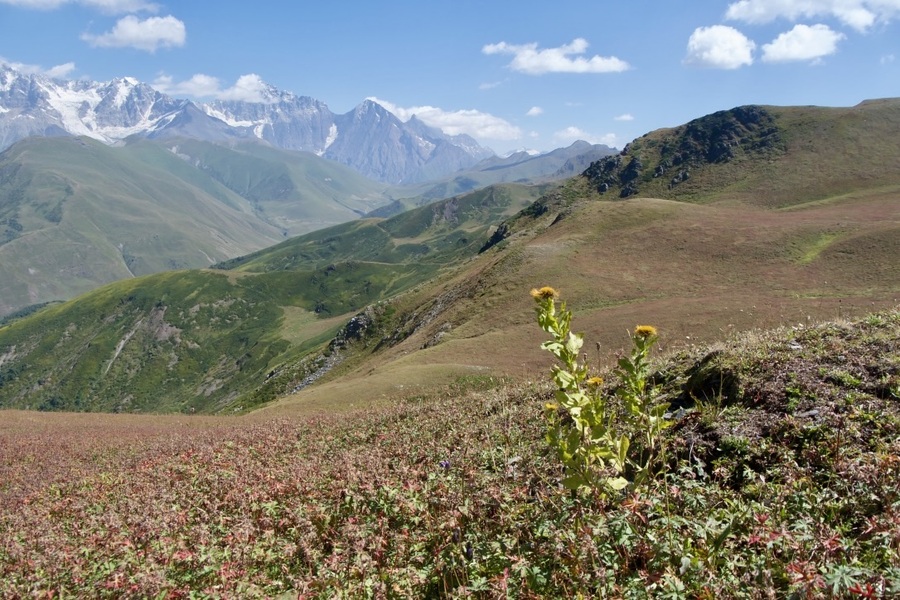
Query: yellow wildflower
(645,331)
(551,406)
(595,381)
(544,293)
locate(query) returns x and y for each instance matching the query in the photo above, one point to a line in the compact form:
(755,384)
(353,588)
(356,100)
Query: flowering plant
(589,434)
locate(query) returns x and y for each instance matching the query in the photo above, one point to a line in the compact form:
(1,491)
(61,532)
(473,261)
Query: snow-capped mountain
(369,138)
(33,105)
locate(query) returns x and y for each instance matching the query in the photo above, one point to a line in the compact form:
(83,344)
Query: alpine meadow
(261,349)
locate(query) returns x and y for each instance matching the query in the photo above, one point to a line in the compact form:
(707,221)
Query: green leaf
(622,446)
(626,365)
(573,345)
(617,483)
(563,379)
(574,481)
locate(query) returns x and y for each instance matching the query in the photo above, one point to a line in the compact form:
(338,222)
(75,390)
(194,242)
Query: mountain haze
(76,213)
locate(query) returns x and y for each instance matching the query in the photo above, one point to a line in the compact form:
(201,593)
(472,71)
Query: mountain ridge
(112,111)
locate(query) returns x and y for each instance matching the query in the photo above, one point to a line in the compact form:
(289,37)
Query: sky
(518,74)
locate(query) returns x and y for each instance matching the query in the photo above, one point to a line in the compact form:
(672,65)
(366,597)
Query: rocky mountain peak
(369,138)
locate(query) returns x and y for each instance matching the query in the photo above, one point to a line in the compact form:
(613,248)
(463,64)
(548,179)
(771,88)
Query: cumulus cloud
(57,72)
(478,124)
(147,34)
(858,14)
(719,47)
(534,111)
(572,134)
(803,42)
(625,117)
(247,88)
(527,58)
(105,6)
(887,59)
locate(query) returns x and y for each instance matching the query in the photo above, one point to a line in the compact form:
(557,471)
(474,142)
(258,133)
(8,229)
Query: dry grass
(698,272)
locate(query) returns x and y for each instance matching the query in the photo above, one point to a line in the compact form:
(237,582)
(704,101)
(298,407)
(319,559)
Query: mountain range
(369,139)
(105,181)
(750,217)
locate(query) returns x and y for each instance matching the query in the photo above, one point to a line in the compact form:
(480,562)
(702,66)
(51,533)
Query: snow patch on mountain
(370,138)
(332,136)
(227,118)
(74,108)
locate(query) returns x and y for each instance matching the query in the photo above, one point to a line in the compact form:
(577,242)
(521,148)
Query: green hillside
(212,341)
(296,191)
(762,155)
(374,309)
(75,214)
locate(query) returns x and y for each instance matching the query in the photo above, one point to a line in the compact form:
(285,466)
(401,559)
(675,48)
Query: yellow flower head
(550,406)
(645,331)
(595,381)
(544,293)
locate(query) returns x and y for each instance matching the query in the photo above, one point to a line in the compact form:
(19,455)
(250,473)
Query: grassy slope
(782,482)
(767,156)
(696,271)
(802,222)
(214,340)
(75,214)
(88,214)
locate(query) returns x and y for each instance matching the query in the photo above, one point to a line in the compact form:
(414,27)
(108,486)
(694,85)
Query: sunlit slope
(761,155)
(214,341)
(697,271)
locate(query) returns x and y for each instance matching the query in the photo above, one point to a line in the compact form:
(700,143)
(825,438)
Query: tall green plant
(590,434)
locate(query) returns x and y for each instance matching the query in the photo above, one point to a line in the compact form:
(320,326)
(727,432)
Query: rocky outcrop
(671,155)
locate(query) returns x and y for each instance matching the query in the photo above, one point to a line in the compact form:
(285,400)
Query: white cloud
(57,72)
(625,117)
(198,86)
(534,111)
(887,59)
(490,85)
(572,134)
(719,47)
(60,71)
(564,59)
(106,6)
(472,122)
(247,88)
(148,34)
(803,42)
(859,14)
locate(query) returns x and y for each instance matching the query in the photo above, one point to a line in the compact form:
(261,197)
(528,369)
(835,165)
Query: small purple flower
(445,464)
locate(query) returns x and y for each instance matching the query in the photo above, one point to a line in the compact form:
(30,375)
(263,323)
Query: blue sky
(513,74)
